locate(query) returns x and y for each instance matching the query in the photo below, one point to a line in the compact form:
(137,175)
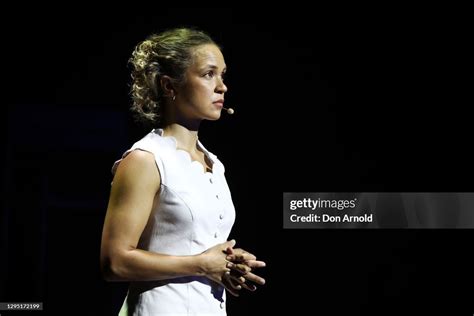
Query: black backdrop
(325,100)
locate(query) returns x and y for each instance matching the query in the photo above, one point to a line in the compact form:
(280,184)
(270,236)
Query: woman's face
(202,94)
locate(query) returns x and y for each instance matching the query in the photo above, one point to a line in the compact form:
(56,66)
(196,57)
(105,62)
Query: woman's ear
(167,86)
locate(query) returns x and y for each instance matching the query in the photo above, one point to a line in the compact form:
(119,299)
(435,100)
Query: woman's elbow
(111,268)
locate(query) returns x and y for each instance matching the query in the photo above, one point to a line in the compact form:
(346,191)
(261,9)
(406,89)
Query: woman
(170,210)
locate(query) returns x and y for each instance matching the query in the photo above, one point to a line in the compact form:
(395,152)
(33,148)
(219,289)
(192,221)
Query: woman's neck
(186,138)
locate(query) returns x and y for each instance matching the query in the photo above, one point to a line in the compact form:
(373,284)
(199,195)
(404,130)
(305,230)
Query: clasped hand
(241,264)
(232,267)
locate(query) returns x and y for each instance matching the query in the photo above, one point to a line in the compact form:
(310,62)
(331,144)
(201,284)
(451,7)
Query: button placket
(219,207)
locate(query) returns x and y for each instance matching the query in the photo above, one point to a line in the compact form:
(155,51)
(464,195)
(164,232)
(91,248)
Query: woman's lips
(219,104)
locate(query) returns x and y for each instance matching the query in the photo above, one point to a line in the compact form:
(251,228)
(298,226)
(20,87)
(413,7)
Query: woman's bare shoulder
(138,165)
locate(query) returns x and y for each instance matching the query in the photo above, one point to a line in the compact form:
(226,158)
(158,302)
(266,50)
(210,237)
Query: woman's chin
(214,116)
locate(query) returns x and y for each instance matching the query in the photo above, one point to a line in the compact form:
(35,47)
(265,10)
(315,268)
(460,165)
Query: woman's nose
(221,87)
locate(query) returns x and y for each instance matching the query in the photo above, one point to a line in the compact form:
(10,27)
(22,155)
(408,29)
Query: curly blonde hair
(167,53)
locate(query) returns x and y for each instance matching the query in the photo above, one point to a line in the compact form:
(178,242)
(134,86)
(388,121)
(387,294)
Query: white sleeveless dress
(195,213)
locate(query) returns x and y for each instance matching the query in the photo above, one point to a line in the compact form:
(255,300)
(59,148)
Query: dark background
(325,100)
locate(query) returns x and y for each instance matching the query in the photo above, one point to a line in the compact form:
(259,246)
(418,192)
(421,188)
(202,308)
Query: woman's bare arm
(134,187)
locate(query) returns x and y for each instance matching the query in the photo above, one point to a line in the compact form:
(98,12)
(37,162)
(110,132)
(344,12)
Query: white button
(222,305)
(210,180)
(217,196)
(215,235)
(221,216)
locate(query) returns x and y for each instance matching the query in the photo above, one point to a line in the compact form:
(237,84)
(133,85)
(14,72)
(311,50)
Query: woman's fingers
(245,271)
(240,268)
(229,285)
(229,245)
(241,263)
(239,280)
(239,255)
(233,281)
(255,264)
(250,287)
(254,278)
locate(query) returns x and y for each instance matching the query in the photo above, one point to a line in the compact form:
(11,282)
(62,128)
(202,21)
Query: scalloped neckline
(202,167)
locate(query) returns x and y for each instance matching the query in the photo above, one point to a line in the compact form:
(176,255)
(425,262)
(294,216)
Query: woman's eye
(212,74)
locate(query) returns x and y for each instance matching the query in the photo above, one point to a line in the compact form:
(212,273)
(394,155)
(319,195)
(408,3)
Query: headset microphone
(229,110)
